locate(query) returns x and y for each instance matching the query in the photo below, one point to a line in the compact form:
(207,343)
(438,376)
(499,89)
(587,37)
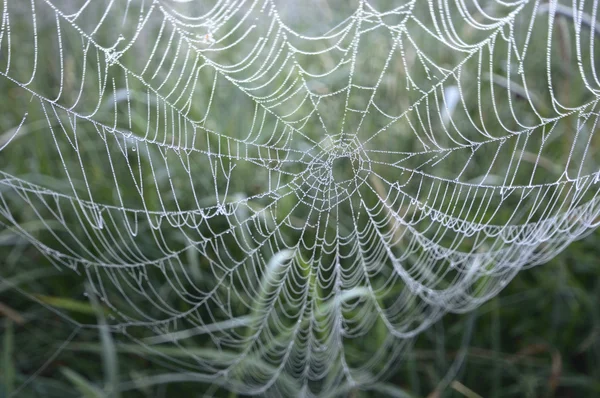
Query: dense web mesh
(259,183)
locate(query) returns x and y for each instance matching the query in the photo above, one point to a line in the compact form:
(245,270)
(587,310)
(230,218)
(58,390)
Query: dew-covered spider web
(262,184)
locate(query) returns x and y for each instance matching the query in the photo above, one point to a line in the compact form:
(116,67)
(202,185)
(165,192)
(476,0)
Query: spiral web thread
(261,185)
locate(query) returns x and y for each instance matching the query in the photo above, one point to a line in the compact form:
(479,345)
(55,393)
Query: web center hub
(335,175)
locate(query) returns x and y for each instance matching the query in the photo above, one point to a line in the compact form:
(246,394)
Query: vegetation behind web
(539,337)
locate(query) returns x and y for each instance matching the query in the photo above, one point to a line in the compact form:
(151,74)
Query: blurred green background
(539,337)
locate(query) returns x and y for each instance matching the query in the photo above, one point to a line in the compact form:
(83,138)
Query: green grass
(540,337)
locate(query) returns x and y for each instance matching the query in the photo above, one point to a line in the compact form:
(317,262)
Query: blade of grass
(497,348)
(8,368)
(11,314)
(82,385)
(566,11)
(464,390)
(67,304)
(109,352)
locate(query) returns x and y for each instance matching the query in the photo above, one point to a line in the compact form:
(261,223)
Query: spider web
(263,185)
